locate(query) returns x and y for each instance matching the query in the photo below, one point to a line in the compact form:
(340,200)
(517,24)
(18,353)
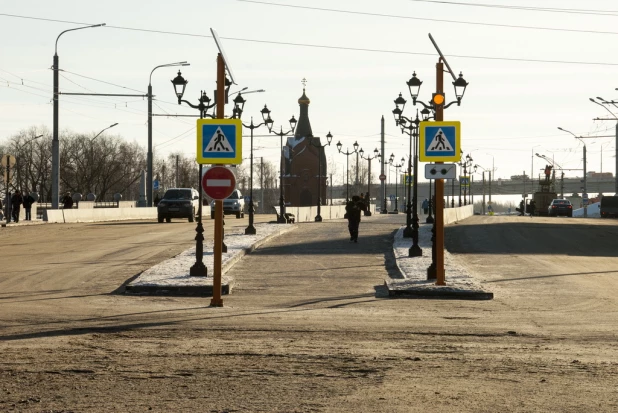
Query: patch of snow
(594,210)
(175,271)
(414,269)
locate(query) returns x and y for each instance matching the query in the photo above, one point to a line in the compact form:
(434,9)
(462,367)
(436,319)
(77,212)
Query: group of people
(522,208)
(17,200)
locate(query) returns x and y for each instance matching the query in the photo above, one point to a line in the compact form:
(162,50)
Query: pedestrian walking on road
(425,206)
(532,208)
(28,201)
(16,201)
(67,201)
(353,211)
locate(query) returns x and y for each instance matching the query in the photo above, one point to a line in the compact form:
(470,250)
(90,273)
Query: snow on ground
(175,271)
(594,210)
(414,269)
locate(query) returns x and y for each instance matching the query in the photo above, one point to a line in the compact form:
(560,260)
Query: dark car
(233,204)
(609,206)
(178,203)
(560,207)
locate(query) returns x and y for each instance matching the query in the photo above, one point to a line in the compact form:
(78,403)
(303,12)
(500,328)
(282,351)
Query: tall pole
(383,182)
(262,183)
(217,301)
(318,217)
(438,272)
(55,140)
(149,156)
(585,183)
(483,192)
(616,172)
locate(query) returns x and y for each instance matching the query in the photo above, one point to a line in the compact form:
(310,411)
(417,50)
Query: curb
(227,283)
(437,294)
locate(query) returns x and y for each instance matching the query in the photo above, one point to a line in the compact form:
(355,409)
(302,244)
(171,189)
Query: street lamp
(149,158)
(199,269)
(465,164)
(313,140)
(605,102)
(250,230)
(55,141)
(347,154)
(397,166)
(369,158)
(103,130)
(281,134)
(437,104)
(585,193)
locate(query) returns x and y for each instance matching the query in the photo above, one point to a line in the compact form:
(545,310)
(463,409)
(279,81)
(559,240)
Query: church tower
(301,161)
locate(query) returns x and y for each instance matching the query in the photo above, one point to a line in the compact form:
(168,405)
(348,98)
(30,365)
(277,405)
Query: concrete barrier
(307,214)
(457,214)
(104,214)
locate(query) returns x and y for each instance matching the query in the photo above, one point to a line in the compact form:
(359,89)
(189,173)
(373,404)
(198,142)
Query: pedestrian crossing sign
(219,141)
(440,141)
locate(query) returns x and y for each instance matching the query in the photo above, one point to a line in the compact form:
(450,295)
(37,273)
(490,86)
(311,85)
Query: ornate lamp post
(437,104)
(397,166)
(347,154)
(250,230)
(376,154)
(281,134)
(199,269)
(465,164)
(313,140)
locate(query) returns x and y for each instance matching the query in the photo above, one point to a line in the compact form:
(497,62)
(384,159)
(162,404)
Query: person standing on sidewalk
(16,201)
(353,211)
(28,201)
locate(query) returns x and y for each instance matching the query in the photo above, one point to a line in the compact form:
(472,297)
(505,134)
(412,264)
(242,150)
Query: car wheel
(168,219)
(192,216)
(160,219)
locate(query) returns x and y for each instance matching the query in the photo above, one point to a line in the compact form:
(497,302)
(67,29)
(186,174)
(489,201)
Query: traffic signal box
(438,99)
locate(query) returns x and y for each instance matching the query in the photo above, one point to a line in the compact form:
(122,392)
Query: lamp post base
(250,230)
(415,251)
(198,270)
(407,232)
(429,220)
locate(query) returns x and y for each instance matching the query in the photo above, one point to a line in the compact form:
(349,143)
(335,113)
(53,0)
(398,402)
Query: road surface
(307,328)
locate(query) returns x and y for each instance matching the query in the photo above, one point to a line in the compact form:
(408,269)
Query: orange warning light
(438,99)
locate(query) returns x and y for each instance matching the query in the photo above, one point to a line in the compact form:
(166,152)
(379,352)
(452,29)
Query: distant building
(300,162)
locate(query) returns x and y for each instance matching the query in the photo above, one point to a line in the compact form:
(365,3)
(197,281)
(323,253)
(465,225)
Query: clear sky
(530,70)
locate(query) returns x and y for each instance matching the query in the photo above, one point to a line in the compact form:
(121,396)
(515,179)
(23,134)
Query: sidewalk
(171,277)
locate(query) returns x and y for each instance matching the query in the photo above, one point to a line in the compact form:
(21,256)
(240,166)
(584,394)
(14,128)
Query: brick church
(300,161)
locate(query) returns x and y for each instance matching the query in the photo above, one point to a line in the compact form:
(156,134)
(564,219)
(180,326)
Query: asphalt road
(307,328)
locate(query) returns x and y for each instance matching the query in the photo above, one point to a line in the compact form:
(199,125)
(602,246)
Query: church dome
(304,99)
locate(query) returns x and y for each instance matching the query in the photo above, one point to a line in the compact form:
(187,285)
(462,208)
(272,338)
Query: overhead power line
(358,49)
(524,8)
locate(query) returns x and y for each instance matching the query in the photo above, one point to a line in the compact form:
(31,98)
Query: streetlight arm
(70,30)
(607,109)
(167,65)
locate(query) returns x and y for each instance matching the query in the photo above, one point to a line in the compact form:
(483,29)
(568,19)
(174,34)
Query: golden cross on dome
(304,82)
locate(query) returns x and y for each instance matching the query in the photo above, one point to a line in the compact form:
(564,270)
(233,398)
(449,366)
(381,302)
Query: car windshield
(177,194)
(234,195)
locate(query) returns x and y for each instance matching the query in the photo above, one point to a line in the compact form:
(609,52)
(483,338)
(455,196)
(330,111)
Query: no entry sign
(218,182)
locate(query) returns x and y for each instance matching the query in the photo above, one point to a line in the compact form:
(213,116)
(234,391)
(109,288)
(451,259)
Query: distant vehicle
(233,204)
(609,206)
(178,203)
(560,207)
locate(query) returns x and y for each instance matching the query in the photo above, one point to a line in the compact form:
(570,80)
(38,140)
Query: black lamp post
(281,134)
(465,164)
(199,269)
(347,154)
(376,154)
(410,127)
(397,166)
(313,140)
(250,230)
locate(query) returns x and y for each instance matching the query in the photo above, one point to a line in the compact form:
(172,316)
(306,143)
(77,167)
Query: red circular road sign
(382,177)
(218,182)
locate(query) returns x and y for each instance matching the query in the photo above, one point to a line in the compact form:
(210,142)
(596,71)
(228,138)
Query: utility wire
(366,49)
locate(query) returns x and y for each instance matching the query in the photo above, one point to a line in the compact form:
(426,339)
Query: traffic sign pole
(216,300)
